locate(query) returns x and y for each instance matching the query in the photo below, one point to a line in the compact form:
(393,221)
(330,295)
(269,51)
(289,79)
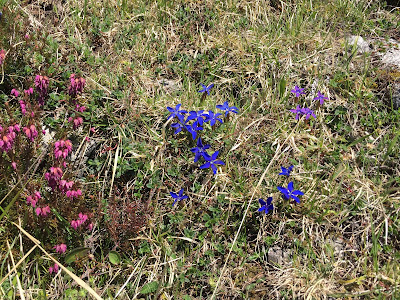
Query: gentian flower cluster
(287,193)
(300,111)
(76,85)
(197,119)
(41,84)
(7,137)
(2,56)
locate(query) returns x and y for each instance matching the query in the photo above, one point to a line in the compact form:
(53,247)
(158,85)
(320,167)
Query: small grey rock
(362,45)
(392,57)
(277,255)
(395,95)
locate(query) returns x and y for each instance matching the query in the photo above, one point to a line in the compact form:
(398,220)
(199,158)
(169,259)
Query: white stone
(362,45)
(392,57)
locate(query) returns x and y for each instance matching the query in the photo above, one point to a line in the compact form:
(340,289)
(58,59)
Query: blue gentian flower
(178,197)
(266,206)
(285,171)
(178,127)
(212,161)
(206,89)
(308,112)
(303,111)
(298,111)
(225,107)
(200,150)
(298,91)
(176,112)
(212,118)
(321,97)
(196,115)
(193,129)
(288,192)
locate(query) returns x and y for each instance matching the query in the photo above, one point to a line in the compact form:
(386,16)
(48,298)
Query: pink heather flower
(31,200)
(28,92)
(62,148)
(42,211)
(7,140)
(65,186)
(90,227)
(14,92)
(93,130)
(53,177)
(80,108)
(17,128)
(82,217)
(26,36)
(54,269)
(75,224)
(87,139)
(32,114)
(38,211)
(23,107)
(73,194)
(76,85)
(41,84)
(31,132)
(14,165)
(2,56)
(77,122)
(43,132)
(45,210)
(61,248)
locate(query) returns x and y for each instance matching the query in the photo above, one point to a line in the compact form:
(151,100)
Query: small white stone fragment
(362,45)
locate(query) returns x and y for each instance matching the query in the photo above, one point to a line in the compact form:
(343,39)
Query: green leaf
(150,287)
(114,257)
(282,87)
(76,254)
